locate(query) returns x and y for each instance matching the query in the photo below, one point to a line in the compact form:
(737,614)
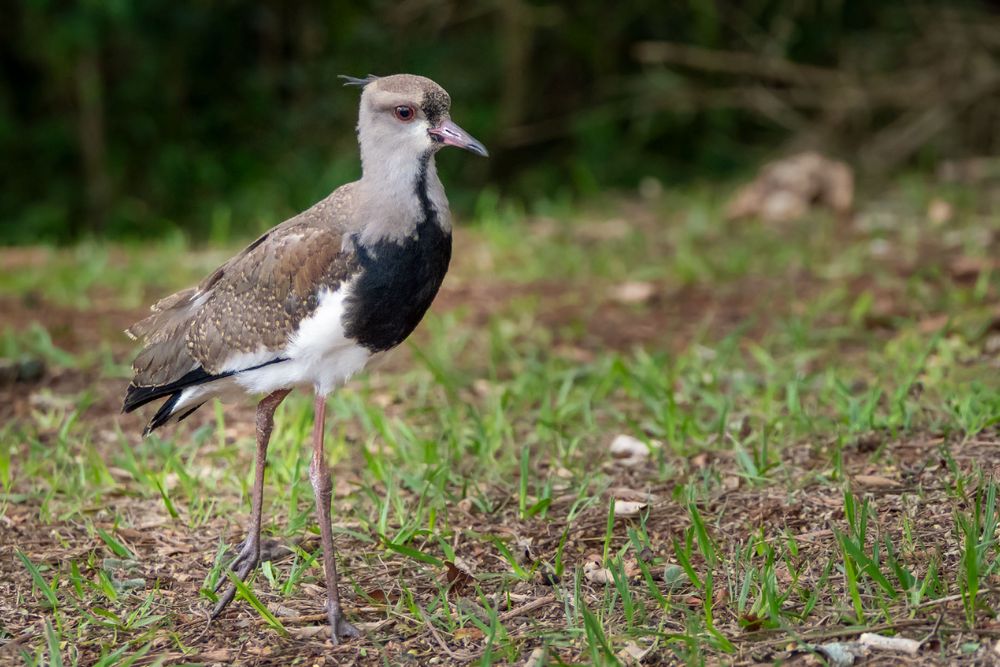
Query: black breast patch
(398,281)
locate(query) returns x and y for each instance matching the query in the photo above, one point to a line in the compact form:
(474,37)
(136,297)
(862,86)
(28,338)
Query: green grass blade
(600,651)
(39,580)
(415,554)
(116,547)
(52,641)
(243,591)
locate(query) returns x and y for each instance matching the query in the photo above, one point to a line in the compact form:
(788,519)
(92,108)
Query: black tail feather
(188,413)
(166,411)
(137,396)
(162,415)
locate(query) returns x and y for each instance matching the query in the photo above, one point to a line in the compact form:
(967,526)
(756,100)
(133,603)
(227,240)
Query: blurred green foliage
(138,119)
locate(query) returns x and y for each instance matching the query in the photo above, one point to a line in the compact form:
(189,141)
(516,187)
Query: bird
(314,300)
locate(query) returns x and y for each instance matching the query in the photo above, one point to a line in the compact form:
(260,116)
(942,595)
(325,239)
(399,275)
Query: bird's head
(409,114)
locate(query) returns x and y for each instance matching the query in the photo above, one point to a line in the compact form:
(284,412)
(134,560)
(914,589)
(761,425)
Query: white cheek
(417,135)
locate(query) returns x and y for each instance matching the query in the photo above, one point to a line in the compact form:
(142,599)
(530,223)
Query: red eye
(404,113)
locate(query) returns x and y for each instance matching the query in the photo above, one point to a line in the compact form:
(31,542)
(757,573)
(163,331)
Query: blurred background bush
(139,119)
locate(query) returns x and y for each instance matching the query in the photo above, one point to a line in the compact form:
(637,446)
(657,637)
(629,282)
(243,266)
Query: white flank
(318,354)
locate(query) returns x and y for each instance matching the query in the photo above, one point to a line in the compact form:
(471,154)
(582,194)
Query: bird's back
(244,312)
(307,288)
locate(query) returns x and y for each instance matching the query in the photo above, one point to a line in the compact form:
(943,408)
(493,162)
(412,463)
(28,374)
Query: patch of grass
(821,421)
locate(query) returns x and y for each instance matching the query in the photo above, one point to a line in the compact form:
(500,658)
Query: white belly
(317,355)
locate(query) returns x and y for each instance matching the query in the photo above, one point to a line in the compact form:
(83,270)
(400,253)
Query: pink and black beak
(447,132)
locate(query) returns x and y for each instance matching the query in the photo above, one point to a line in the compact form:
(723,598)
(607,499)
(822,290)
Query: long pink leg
(249,555)
(319,475)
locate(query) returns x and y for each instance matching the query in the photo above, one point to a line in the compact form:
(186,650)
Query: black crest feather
(354,81)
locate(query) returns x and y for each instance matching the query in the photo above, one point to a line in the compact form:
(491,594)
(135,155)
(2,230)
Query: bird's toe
(273,550)
(223,602)
(340,628)
(346,630)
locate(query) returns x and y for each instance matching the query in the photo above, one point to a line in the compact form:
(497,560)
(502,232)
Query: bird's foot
(270,549)
(339,627)
(250,555)
(246,560)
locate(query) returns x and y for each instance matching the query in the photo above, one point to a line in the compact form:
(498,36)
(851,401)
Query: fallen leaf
(627,508)
(465,504)
(471,633)
(537,658)
(939,211)
(457,575)
(217,655)
(628,450)
(599,575)
(932,324)
(309,631)
(524,553)
(967,269)
(631,568)
(876,481)
(312,590)
(282,610)
(596,574)
(382,399)
(634,654)
(378,596)
(464,565)
(895,644)
(831,502)
(625,493)
(482,387)
(633,292)
(120,474)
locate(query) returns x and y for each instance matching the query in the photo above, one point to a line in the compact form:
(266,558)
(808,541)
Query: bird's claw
(339,627)
(246,560)
(250,555)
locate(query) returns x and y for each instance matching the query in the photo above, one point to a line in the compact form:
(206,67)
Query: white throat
(390,204)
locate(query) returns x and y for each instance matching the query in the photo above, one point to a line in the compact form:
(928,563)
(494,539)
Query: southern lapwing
(313,301)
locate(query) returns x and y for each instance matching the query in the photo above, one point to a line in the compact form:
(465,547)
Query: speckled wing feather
(251,304)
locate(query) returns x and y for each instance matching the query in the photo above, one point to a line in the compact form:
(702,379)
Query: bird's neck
(399,192)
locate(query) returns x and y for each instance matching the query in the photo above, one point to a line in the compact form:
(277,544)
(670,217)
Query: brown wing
(252,302)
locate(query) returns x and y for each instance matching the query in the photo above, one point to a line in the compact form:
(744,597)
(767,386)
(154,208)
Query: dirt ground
(902,477)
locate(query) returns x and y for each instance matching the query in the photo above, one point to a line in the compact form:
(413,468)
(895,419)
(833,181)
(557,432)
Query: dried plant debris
(628,450)
(787,189)
(793,442)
